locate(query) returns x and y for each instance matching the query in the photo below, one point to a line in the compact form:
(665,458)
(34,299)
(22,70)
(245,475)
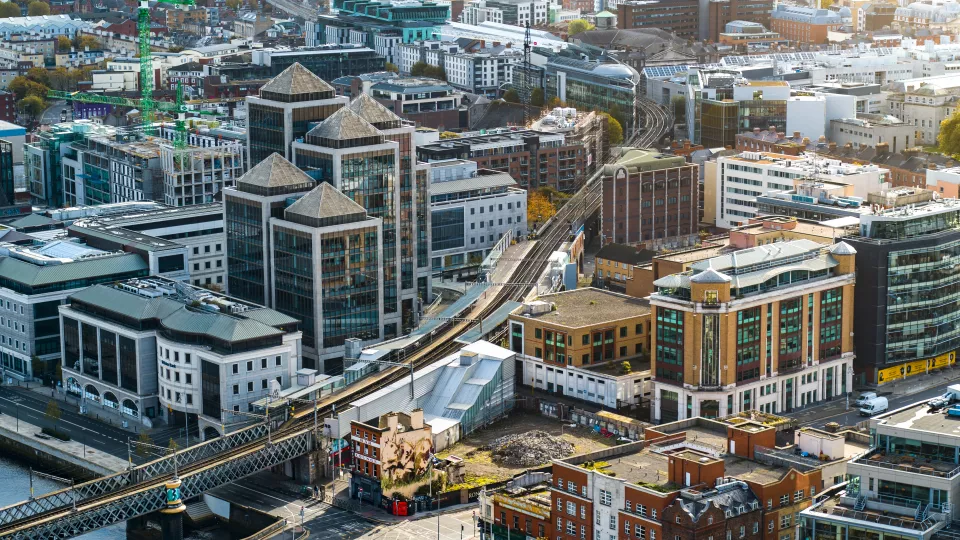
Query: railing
(786,459)
(269,531)
(909,467)
(882,520)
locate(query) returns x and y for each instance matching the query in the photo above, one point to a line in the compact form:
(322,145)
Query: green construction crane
(148,104)
(178,107)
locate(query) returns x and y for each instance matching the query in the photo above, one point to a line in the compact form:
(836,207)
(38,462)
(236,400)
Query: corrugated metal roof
(487,181)
(37,275)
(217,325)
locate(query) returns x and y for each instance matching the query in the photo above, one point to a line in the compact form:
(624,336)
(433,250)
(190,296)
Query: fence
(269,531)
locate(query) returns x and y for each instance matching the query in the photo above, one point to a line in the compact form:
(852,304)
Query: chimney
(416,419)
(883,148)
(796,134)
(483,44)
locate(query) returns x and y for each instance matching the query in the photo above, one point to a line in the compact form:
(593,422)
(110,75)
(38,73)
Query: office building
(513,12)
(327,272)
(370,22)
(263,192)
(905,315)
(575,343)
(766,328)
(587,129)
(736,181)
(428,102)
(871,130)
(198,175)
(35,281)
(482,69)
(156,348)
(7,182)
(650,198)
(903,487)
(367,152)
(534,158)
(721,13)
(470,211)
(284,109)
(681,17)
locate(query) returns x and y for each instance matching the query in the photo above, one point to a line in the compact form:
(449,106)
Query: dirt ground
(480,468)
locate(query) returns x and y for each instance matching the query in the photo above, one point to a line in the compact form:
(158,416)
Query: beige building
(766,328)
(924,109)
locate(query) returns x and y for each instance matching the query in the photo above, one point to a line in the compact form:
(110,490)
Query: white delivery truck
(865,397)
(874,406)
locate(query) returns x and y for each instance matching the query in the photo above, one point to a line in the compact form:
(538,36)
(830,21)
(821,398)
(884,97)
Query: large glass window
(447,227)
(128,364)
(91,356)
(245,249)
(210,386)
(293,260)
(71,344)
(108,357)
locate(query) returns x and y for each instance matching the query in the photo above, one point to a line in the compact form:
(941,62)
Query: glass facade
(669,353)
(71,343)
(245,276)
(748,344)
(128,364)
(923,310)
(447,229)
(593,92)
(718,122)
(763,113)
(919,226)
(265,125)
(108,357)
(6,173)
(350,267)
(293,259)
(210,386)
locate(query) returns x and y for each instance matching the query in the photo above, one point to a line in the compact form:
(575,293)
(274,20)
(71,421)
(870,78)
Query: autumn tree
(578,25)
(536,97)
(9,9)
(36,9)
(949,138)
(143,439)
(234,4)
(423,69)
(63,44)
(555,102)
(391,67)
(32,106)
(39,75)
(614,129)
(511,96)
(539,209)
(23,87)
(83,41)
(173,446)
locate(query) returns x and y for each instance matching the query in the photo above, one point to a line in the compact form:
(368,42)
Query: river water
(15,479)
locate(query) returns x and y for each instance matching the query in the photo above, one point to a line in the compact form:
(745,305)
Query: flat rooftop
(919,417)
(589,306)
(712,248)
(643,467)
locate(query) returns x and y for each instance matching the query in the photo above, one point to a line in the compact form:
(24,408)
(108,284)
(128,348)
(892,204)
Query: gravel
(529,449)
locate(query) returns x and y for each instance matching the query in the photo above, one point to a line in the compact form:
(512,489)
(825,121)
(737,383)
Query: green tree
(53,413)
(234,4)
(144,438)
(23,87)
(173,446)
(10,9)
(614,130)
(679,104)
(418,69)
(949,138)
(536,97)
(578,25)
(32,106)
(36,9)
(63,44)
(391,67)
(511,96)
(555,102)
(39,75)
(625,368)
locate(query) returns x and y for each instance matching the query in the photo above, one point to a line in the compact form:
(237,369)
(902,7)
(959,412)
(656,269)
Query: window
(785,521)
(236,369)
(743,531)
(642,510)
(623,331)
(678,519)
(189,378)
(537,333)
(263,363)
(756,527)
(279,361)
(249,365)
(236,389)
(613,522)
(250,386)
(606,497)
(653,514)
(770,526)
(798,496)
(263,384)
(571,508)
(784,500)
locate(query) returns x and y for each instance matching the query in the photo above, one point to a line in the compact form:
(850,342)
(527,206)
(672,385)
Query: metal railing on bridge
(108,484)
(125,506)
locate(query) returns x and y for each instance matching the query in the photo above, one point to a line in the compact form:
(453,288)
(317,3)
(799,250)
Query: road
(330,522)
(835,410)
(52,114)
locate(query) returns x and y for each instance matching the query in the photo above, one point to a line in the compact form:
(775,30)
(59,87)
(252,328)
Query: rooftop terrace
(587,307)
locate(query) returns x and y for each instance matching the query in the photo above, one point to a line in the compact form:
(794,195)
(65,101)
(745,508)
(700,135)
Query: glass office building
(612,88)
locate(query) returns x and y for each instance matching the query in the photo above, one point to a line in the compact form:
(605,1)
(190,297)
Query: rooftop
(919,417)
(587,306)
(625,254)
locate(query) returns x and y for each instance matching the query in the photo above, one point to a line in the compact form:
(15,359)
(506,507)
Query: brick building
(804,24)
(681,17)
(721,12)
(666,212)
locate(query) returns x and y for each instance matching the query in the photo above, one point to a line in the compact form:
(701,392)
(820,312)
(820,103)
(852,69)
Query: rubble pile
(529,449)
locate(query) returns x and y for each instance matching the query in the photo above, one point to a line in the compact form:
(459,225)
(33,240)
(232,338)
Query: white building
(157,348)
(512,12)
(45,25)
(470,211)
(197,175)
(408,54)
(741,179)
(483,71)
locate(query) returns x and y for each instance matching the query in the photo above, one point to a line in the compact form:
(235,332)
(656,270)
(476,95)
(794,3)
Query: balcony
(860,511)
(910,464)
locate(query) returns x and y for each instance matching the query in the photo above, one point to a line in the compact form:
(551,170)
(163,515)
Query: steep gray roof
(344,125)
(275,172)
(35,275)
(843,248)
(324,202)
(216,325)
(296,79)
(127,304)
(31,220)
(710,276)
(373,111)
(733,502)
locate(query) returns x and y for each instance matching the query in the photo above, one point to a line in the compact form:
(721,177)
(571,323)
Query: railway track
(441,343)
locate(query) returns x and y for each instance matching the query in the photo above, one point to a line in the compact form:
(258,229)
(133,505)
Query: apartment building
(534,158)
(736,181)
(748,330)
(651,199)
(681,17)
(35,281)
(575,343)
(156,348)
(470,211)
(924,108)
(198,175)
(804,24)
(382,444)
(428,102)
(905,317)
(482,70)
(513,12)
(588,129)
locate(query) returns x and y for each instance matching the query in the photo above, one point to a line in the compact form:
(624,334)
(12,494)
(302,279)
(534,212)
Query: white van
(874,406)
(865,397)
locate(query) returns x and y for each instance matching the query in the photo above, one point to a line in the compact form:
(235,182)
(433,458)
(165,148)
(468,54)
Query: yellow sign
(522,506)
(917,367)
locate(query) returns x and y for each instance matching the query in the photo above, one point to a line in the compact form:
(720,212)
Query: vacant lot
(481,469)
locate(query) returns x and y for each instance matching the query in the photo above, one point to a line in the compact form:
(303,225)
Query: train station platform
(488,324)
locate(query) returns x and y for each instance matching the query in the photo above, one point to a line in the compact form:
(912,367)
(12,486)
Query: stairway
(861,503)
(199,513)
